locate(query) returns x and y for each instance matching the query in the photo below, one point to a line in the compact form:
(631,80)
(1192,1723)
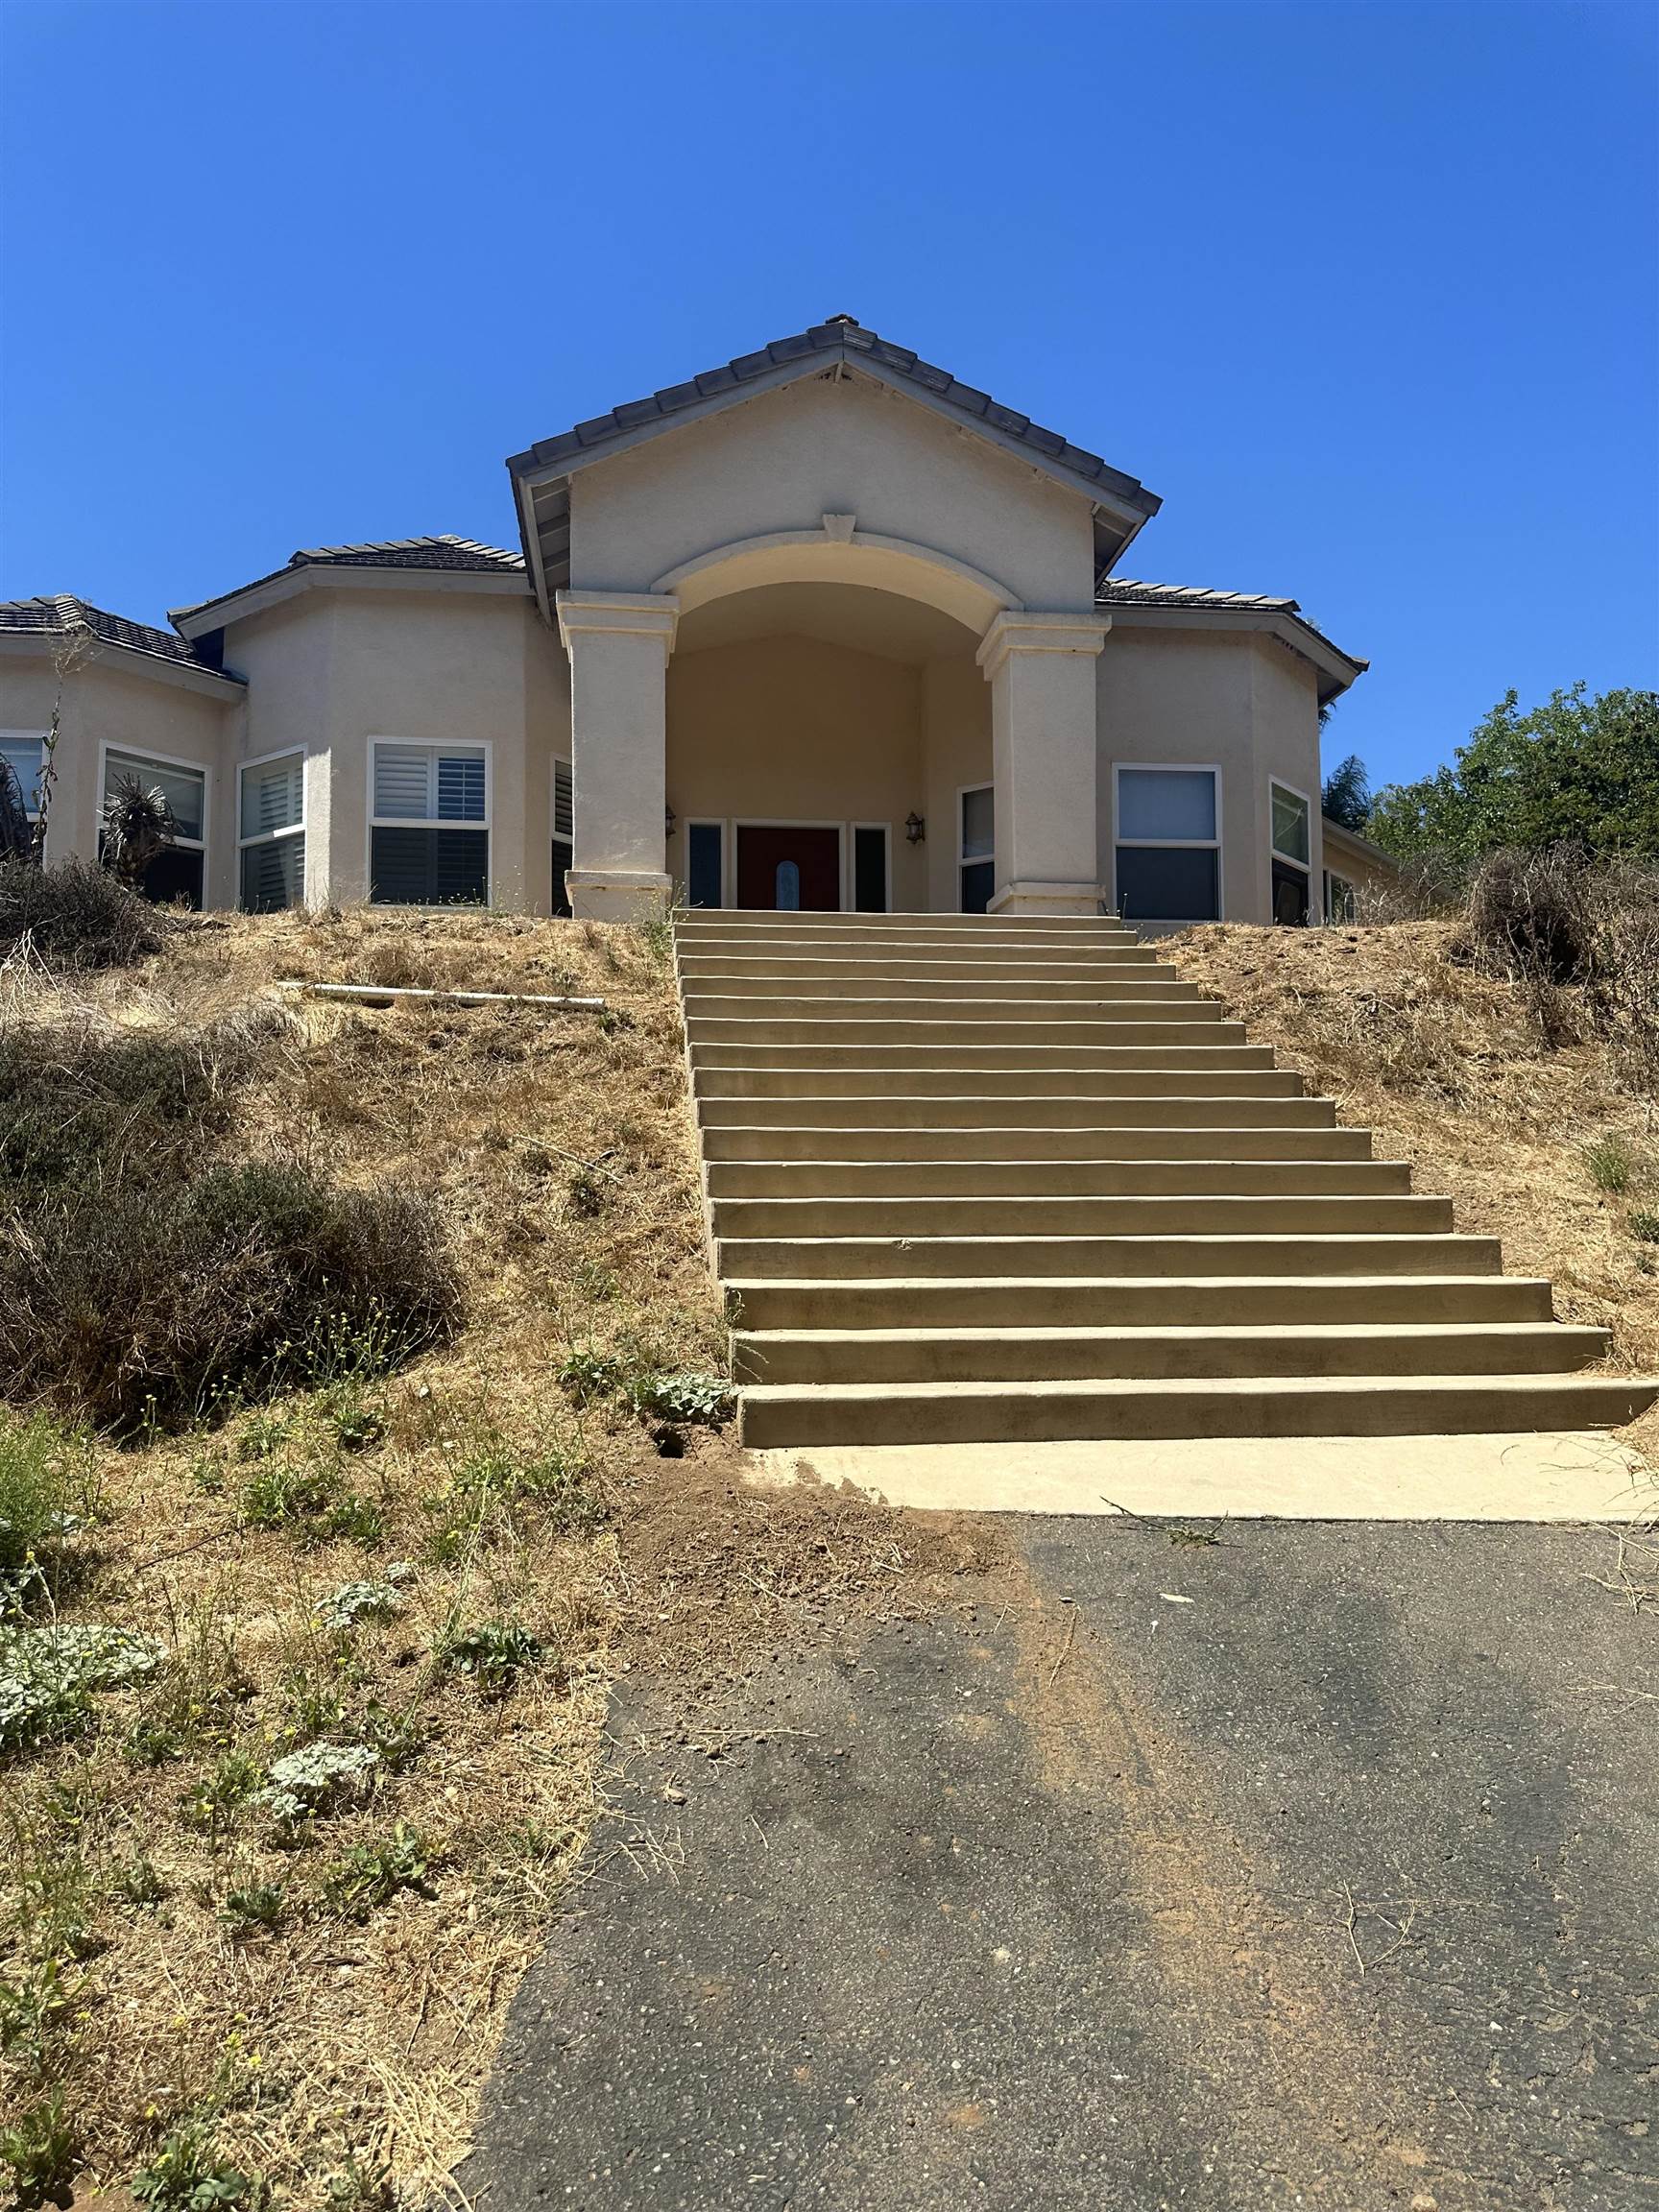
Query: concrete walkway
(1315,1866)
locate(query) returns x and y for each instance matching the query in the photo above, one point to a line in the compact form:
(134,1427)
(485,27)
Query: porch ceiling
(877,622)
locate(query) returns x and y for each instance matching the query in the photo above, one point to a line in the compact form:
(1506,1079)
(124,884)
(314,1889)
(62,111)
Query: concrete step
(1022,1178)
(1197,1023)
(805,1219)
(1034,1355)
(1074,1087)
(759,1143)
(1007,1059)
(832,978)
(1336,1405)
(971,1258)
(1224,1302)
(979,929)
(1114,1107)
(787,1000)
(1032,944)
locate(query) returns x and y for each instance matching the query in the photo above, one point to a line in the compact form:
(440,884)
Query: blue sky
(1365,292)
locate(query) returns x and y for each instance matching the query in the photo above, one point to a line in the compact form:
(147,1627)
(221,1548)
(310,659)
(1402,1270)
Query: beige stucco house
(822,628)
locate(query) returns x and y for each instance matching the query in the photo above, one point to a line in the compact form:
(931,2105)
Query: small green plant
(40,2152)
(355,1601)
(371,1874)
(312,1501)
(138,1884)
(262,1906)
(1611,1163)
(359,2187)
(48,1677)
(587,1377)
(691,1401)
(490,1655)
(48,1494)
(189,2175)
(32,2005)
(308,1783)
(1644,1228)
(222,1792)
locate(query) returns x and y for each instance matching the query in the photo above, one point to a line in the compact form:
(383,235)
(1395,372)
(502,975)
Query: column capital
(619,613)
(1026,632)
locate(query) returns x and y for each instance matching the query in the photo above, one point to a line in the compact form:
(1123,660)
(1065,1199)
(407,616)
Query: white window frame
(887,829)
(201,844)
(1277,784)
(289,828)
(30,814)
(1215,845)
(1351,888)
(977,859)
(727,852)
(483,745)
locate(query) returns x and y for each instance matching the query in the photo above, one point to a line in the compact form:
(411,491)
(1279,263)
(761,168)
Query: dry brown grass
(1452,1070)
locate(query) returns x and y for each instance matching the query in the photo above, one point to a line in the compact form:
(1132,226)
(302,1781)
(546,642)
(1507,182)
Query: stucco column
(618,643)
(1044,750)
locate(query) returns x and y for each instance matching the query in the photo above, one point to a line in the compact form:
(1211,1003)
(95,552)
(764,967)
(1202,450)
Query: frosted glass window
(979,824)
(1166,805)
(788,898)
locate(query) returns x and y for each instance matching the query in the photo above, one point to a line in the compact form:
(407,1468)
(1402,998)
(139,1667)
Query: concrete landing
(1576,1475)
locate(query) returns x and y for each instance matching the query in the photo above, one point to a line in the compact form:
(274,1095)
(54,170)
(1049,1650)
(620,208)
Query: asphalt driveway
(1315,1866)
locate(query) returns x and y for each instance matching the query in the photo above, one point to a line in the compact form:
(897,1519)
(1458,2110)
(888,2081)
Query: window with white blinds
(271,833)
(564,831)
(429,829)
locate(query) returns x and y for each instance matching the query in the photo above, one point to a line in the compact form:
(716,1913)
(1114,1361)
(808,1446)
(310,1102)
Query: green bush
(76,915)
(48,1492)
(39,2152)
(1611,1164)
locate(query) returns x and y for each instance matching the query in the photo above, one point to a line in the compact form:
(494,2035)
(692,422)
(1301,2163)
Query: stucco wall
(956,723)
(118,702)
(786,458)
(334,669)
(1240,702)
(798,729)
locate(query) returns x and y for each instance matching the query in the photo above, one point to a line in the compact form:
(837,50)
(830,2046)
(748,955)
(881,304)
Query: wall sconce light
(670,818)
(915,828)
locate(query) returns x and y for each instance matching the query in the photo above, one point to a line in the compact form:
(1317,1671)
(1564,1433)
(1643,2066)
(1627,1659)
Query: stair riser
(1188,1028)
(1212,1216)
(1079,1146)
(1143,1304)
(1076,1087)
(1039,949)
(1145,1354)
(880,979)
(1062,1179)
(971,1259)
(1268,1113)
(895,1008)
(1398,1409)
(1005,1059)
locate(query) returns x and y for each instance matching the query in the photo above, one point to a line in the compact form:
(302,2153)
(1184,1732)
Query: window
(564,832)
(430,833)
(1168,853)
(976,864)
(705,863)
(271,833)
(1341,904)
(787,887)
(870,868)
(1291,846)
(24,753)
(178,872)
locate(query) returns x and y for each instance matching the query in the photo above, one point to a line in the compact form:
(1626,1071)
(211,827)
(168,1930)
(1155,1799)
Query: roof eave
(248,599)
(135,659)
(1334,669)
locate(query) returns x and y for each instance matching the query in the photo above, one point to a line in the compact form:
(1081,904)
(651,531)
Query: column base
(1047,899)
(618,894)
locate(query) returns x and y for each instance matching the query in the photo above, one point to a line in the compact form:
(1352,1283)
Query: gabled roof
(441,555)
(541,474)
(1171,605)
(61,613)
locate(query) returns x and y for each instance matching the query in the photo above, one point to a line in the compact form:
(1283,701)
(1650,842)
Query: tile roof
(1125,591)
(444,551)
(62,612)
(844,338)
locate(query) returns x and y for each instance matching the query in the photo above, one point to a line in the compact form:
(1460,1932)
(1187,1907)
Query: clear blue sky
(1367,293)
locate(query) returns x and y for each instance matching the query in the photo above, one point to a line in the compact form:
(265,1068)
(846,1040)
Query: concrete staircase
(979,1181)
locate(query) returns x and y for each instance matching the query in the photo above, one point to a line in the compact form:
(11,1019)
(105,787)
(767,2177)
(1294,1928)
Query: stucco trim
(1021,631)
(865,558)
(1332,664)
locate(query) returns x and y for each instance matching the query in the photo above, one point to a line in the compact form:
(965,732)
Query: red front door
(789,869)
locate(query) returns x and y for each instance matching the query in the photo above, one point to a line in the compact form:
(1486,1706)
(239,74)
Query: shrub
(77,916)
(1532,915)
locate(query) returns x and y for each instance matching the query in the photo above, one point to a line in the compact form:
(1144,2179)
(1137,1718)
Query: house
(823,628)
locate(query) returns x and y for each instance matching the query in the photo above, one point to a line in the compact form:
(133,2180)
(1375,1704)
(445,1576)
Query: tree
(1576,769)
(1347,795)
